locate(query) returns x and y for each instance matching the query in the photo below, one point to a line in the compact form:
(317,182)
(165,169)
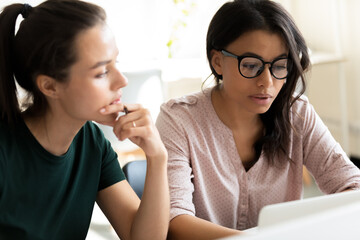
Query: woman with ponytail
(54,161)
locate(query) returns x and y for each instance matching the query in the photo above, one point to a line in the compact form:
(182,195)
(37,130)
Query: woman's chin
(108,120)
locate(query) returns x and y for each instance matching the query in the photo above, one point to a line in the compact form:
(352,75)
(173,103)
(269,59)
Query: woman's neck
(53,133)
(232,115)
(247,128)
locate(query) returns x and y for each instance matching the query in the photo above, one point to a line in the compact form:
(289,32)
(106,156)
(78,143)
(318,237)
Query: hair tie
(26,10)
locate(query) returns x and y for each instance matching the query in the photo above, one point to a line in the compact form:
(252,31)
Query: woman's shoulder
(189,102)
(187,110)
(302,111)
(300,104)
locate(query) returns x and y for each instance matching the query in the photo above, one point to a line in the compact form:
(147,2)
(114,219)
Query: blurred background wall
(167,37)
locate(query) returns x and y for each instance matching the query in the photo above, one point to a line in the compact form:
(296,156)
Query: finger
(141,114)
(114,108)
(138,123)
(135,134)
(126,129)
(133,107)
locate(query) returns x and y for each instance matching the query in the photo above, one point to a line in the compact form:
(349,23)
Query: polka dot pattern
(208,180)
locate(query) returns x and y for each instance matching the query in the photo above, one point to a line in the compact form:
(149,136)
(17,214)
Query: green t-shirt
(43,196)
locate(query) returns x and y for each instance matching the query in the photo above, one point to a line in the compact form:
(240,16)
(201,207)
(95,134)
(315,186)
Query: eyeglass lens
(252,67)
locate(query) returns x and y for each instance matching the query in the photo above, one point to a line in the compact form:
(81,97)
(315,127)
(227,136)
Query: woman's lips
(261,99)
(116,101)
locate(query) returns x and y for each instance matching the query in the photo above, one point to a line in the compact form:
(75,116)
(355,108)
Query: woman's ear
(47,85)
(216,61)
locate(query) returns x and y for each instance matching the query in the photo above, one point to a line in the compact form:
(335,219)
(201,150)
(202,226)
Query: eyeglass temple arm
(226,53)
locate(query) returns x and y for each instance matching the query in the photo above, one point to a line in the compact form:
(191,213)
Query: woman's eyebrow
(251,54)
(98,64)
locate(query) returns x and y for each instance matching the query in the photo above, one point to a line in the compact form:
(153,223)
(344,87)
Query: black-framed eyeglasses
(251,66)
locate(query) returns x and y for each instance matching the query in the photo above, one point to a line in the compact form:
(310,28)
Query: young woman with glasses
(54,161)
(242,144)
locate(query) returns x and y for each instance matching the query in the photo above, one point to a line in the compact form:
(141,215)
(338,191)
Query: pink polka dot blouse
(208,180)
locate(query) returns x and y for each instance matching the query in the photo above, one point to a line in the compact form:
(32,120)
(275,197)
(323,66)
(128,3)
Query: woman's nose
(265,79)
(119,80)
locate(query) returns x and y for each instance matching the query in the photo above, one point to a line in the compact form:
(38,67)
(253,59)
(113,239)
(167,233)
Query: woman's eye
(279,67)
(249,66)
(102,75)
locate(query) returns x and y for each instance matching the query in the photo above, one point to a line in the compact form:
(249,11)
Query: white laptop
(283,212)
(331,217)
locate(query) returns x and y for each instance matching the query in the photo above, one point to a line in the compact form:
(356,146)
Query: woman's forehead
(260,42)
(96,44)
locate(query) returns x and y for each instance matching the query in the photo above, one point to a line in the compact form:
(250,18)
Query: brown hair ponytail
(44,44)
(9,106)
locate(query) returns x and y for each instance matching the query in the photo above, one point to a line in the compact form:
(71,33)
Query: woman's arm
(130,217)
(133,219)
(119,203)
(323,156)
(190,227)
(181,173)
